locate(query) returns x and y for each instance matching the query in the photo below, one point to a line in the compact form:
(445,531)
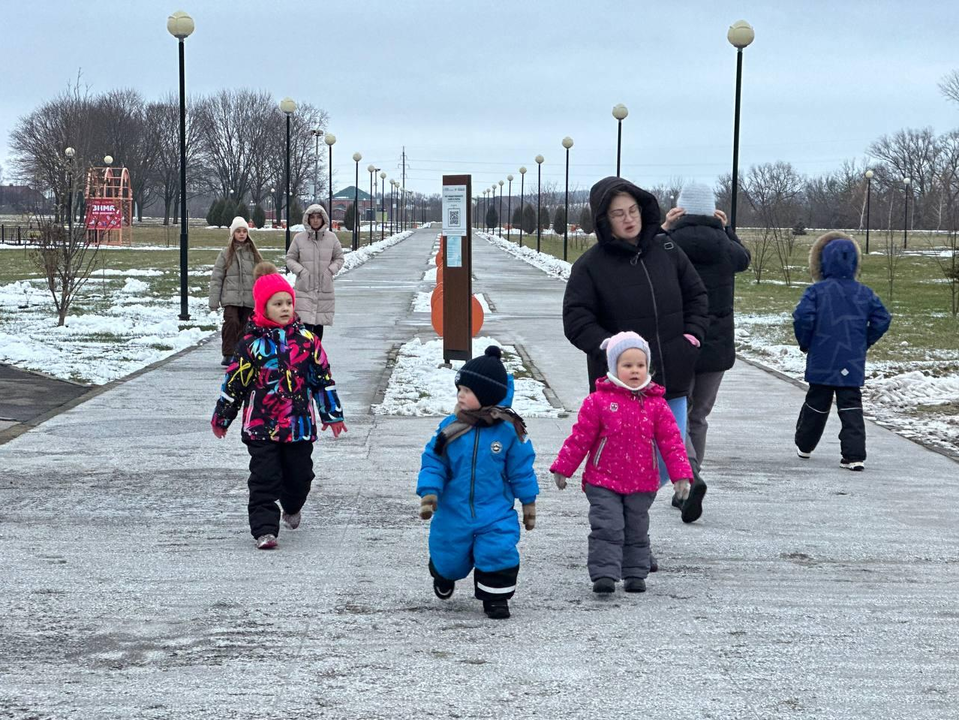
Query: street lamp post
(906,201)
(330,139)
(373,171)
(317,134)
(357,157)
(620,113)
(70,153)
(273,201)
(523,171)
(539,160)
(509,205)
(288,107)
(383,200)
(739,35)
(567,143)
(500,219)
(869,175)
(180,25)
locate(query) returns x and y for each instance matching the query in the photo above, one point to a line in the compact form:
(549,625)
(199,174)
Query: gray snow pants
(699,404)
(619,544)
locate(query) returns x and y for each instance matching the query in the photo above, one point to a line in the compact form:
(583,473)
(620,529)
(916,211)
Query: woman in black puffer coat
(635,278)
(717,254)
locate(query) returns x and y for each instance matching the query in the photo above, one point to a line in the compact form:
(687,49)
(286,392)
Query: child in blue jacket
(473,469)
(835,322)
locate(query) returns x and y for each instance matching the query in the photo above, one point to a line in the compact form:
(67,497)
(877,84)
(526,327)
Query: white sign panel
(454,210)
(453,253)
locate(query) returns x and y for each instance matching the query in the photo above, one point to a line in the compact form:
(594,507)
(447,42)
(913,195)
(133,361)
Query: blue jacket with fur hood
(837,318)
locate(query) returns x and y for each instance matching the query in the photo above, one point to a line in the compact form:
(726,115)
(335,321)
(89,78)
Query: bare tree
(908,153)
(892,250)
(162,124)
(773,191)
(950,86)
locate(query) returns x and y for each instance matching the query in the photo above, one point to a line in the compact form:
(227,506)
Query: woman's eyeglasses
(633,211)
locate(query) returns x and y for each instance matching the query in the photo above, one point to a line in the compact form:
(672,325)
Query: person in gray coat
(315,256)
(231,286)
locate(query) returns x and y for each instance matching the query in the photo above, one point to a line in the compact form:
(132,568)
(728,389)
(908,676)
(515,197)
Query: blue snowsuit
(477,481)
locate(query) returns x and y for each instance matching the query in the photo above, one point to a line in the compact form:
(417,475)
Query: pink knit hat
(623,341)
(267,285)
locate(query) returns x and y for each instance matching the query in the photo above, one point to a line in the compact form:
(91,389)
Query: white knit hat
(697,199)
(623,341)
(238,222)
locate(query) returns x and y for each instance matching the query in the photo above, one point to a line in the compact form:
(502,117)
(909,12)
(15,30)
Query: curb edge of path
(803,386)
(20,428)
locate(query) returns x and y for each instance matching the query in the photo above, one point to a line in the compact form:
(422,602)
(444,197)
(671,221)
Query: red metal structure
(109,206)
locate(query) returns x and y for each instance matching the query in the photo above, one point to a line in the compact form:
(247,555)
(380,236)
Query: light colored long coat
(233,285)
(315,256)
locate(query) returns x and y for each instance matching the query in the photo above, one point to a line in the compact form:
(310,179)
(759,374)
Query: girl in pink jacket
(619,429)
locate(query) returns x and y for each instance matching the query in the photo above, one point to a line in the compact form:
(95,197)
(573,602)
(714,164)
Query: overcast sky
(482,88)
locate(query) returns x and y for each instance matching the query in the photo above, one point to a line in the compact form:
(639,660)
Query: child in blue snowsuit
(477,464)
(836,321)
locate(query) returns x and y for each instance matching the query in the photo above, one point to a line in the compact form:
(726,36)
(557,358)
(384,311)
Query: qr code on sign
(453,218)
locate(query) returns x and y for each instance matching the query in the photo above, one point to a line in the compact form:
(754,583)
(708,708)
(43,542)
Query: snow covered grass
(912,374)
(420,387)
(125,317)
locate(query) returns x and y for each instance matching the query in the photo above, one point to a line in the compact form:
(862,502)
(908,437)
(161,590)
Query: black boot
(496,609)
(634,585)
(443,588)
(654,565)
(603,586)
(693,506)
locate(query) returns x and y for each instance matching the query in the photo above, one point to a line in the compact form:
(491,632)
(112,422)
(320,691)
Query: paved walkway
(131,587)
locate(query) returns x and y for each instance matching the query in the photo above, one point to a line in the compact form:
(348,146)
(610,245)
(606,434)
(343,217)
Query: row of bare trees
(235,146)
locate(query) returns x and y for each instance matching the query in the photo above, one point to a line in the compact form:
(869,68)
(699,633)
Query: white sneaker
(291,521)
(802,454)
(851,464)
(266,542)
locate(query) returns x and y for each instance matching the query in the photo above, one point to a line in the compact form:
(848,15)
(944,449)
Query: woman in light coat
(231,286)
(315,255)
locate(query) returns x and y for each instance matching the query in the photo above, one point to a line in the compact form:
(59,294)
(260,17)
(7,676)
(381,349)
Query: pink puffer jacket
(618,431)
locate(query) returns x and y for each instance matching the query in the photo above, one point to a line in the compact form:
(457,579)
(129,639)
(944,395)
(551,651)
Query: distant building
(18,199)
(344,199)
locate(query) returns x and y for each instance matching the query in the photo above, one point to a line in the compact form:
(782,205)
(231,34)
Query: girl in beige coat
(231,285)
(315,255)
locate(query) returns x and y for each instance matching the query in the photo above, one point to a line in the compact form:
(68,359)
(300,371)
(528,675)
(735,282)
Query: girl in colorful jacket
(473,470)
(619,429)
(278,369)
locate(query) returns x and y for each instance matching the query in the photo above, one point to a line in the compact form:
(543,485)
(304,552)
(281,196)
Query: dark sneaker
(291,521)
(654,565)
(227,359)
(443,589)
(266,542)
(693,506)
(604,586)
(634,585)
(496,609)
(852,464)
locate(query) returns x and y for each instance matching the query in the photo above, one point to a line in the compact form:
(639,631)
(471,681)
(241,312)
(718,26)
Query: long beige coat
(233,285)
(315,257)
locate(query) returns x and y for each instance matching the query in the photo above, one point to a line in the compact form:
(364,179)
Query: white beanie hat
(697,199)
(623,341)
(238,222)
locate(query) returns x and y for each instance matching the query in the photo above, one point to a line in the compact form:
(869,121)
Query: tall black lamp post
(906,203)
(509,205)
(567,144)
(523,171)
(383,200)
(288,107)
(373,171)
(539,160)
(70,153)
(869,175)
(180,25)
(739,35)
(357,157)
(330,139)
(620,113)
(500,221)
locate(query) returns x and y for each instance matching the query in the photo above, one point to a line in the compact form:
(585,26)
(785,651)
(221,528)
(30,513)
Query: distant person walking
(231,286)
(716,252)
(315,256)
(836,321)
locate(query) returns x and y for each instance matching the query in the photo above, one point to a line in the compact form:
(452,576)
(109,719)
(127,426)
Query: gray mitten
(681,488)
(560,480)
(428,506)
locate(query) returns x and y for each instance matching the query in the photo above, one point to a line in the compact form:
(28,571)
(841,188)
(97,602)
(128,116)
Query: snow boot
(496,609)
(291,521)
(604,586)
(693,506)
(266,542)
(443,588)
(654,565)
(852,464)
(634,585)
